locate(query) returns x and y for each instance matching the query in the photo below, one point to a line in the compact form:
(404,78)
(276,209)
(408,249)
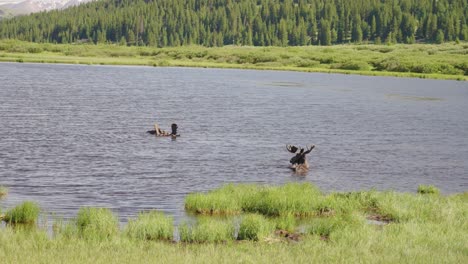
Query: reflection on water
(74,136)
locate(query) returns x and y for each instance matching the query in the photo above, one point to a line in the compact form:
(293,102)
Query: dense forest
(246,22)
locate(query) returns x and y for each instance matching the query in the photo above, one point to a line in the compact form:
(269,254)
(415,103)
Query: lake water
(74,136)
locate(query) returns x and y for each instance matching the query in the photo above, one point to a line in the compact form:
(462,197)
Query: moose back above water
(299,162)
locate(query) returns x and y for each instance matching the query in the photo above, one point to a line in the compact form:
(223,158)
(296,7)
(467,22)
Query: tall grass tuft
(255,227)
(428,189)
(224,200)
(293,198)
(285,222)
(324,227)
(25,213)
(3,191)
(151,225)
(96,223)
(207,230)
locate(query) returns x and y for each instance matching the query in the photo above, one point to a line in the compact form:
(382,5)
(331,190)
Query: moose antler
(291,148)
(309,149)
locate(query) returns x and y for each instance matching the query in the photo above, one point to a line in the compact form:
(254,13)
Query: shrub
(96,223)
(255,227)
(25,213)
(34,50)
(428,189)
(392,64)
(151,226)
(207,230)
(352,65)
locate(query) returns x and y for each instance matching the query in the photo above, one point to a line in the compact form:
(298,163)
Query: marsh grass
(3,191)
(207,230)
(255,227)
(286,222)
(325,226)
(25,213)
(428,189)
(300,200)
(151,225)
(96,223)
(424,229)
(442,61)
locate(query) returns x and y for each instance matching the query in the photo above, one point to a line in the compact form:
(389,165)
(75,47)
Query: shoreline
(340,59)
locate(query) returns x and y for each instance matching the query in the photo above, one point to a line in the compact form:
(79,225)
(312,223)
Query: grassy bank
(444,61)
(294,223)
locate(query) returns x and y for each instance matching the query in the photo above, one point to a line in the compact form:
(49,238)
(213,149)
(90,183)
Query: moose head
(299,162)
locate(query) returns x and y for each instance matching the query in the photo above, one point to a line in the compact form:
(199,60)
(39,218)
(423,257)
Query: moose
(299,162)
(161,133)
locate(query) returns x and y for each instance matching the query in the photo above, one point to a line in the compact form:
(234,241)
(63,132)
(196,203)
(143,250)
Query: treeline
(246,22)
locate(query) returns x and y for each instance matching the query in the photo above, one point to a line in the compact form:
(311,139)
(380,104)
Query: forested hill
(246,22)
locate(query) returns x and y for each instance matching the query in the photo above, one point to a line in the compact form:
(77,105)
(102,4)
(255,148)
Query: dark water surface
(74,136)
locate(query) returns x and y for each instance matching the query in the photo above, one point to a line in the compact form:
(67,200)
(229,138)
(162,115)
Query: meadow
(435,61)
(292,223)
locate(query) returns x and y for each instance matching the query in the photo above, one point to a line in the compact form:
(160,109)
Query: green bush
(391,64)
(352,65)
(25,213)
(34,50)
(151,226)
(255,227)
(96,223)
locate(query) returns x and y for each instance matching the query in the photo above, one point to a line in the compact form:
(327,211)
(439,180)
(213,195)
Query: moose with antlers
(299,162)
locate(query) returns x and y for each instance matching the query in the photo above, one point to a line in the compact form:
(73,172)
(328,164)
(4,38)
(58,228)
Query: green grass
(412,228)
(25,213)
(3,191)
(151,226)
(428,189)
(207,230)
(255,227)
(96,223)
(300,200)
(286,222)
(442,61)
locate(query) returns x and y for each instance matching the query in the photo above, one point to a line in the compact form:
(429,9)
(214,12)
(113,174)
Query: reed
(96,223)
(25,213)
(207,230)
(151,225)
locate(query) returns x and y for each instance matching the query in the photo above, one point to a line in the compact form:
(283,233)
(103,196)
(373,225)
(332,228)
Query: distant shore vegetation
(247,223)
(442,61)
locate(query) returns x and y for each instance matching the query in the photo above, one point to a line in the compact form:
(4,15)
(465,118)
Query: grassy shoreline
(364,227)
(444,61)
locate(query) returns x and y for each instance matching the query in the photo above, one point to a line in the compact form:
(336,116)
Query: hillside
(247,22)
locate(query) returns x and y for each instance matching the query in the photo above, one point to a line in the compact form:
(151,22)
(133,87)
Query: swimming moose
(299,162)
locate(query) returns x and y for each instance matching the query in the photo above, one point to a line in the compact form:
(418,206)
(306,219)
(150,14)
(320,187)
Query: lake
(74,136)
